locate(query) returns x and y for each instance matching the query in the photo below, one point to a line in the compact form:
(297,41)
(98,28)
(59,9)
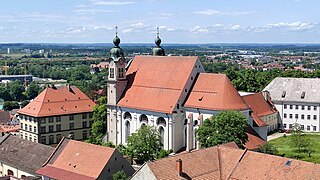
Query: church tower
(116,84)
(158,50)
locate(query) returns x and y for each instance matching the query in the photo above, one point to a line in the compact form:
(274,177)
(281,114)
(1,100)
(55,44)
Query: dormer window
(303,94)
(283,94)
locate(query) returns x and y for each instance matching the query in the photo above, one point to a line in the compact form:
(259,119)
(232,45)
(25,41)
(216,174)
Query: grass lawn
(284,149)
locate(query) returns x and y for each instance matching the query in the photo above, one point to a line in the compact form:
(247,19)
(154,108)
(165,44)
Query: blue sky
(180,21)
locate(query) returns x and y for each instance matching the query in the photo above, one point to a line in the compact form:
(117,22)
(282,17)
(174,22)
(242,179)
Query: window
(35,129)
(111,72)
(121,72)
(290,126)
(58,138)
(161,121)
(30,138)
(314,117)
(43,120)
(296,116)
(71,135)
(58,119)
(90,123)
(303,94)
(302,127)
(308,117)
(314,128)
(35,139)
(21,125)
(26,127)
(291,106)
(308,128)
(284,125)
(21,135)
(42,129)
(283,94)
(144,118)
(84,116)
(161,132)
(178,106)
(285,106)
(10,172)
(90,115)
(302,116)
(84,124)
(309,108)
(284,115)
(71,117)
(314,108)
(43,140)
(302,107)
(51,139)
(50,119)
(71,125)
(58,127)
(127,131)
(297,106)
(50,128)
(84,134)
(30,128)
(290,116)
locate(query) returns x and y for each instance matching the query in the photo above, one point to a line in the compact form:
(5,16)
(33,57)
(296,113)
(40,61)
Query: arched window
(195,122)
(127,116)
(127,131)
(161,121)
(185,122)
(161,131)
(144,118)
(10,172)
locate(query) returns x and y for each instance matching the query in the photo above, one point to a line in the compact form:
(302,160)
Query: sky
(179,21)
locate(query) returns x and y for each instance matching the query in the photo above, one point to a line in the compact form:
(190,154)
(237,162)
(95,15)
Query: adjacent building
(78,160)
(57,112)
(263,109)
(171,93)
(297,100)
(226,162)
(21,158)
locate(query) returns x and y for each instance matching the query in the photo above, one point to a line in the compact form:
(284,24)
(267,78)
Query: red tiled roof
(258,104)
(77,157)
(57,173)
(58,101)
(254,140)
(9,128)
(258,120)
(155,83)
(215,92)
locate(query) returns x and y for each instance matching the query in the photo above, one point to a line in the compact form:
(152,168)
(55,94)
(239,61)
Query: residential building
(57,112)
(21,158)
(226,162)
(20,78)
(263,109)
(78,160)
(163,91)
(297,100)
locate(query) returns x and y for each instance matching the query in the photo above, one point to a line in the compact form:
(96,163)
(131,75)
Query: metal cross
(157,31)
(116,30)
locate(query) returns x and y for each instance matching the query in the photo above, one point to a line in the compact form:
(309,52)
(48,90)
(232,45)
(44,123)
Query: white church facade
(171,93)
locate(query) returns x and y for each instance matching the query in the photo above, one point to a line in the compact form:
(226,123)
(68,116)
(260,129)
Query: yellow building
(57,112)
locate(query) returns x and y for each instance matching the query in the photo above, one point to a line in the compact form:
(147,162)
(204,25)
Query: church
(171,93)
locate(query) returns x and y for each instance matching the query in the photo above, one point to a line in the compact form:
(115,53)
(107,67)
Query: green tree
(227,126)
(33,90)
(145,144)
(9,105)
(99,122)
(268,149)
(299,142)
(120,175)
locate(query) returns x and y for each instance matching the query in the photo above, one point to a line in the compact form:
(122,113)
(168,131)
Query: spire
(116,52)
(158,50)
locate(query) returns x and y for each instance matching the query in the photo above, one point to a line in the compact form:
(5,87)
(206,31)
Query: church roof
(58,101)
(215,92)
(155,83)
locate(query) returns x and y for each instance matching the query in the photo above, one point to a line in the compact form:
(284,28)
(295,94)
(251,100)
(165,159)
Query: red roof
(215,92)
(75,158)
(254,140)
(258,104)
(58,101)
(155,83)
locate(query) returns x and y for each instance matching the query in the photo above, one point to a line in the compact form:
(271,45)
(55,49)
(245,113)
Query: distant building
(57,112)
(21,158)
(226,161)
(74,160)
(9,50)
(298,101)
(263,109)
(20,78)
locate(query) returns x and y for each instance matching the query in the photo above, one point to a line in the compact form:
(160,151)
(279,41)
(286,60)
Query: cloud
(112,2)
(294,26)
(212,12)
(92,11)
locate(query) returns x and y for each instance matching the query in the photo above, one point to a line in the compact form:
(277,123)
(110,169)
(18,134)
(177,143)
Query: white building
(297,100)
(160,91)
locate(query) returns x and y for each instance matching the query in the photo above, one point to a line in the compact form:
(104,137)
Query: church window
(127,116)
(161,121)
(127,131)
(121,73)
(111,72)
(161,131)
(144,118)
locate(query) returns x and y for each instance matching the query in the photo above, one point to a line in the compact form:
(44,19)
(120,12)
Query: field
(284,149)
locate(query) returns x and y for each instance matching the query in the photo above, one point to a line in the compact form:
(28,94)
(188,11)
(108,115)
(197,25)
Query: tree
(9,105)
(299,141)
(120,175)
(227,126)
(33,90)
(145,144)
(268,149)
(99,122)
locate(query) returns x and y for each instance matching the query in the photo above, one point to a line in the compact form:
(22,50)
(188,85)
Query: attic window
(200,99)
(75,106)
(303,94)
(283,94)
(78,97)
(288,163)
(65,98)
(48,100)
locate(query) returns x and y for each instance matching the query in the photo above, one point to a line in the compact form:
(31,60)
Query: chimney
(179,166)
